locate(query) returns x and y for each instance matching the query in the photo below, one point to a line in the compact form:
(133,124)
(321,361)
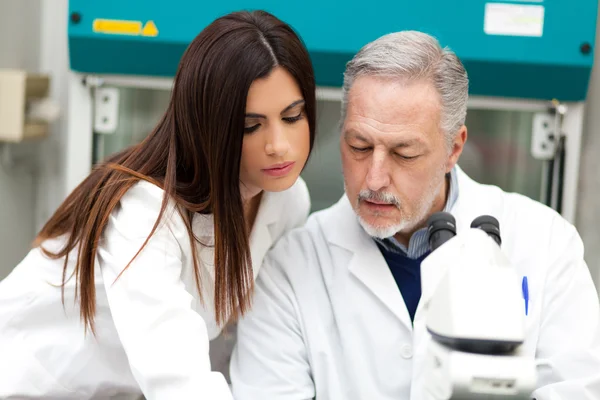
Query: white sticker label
(513,19)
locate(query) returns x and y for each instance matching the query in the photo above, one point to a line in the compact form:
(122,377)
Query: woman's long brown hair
(193,154)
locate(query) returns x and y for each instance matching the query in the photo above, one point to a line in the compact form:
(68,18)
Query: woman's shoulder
(145,191)
(143,199)
(140,206)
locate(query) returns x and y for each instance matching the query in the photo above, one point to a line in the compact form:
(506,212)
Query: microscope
(475,315)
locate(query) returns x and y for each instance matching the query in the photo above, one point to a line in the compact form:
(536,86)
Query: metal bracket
(106,110)
(548,144)
(544,137)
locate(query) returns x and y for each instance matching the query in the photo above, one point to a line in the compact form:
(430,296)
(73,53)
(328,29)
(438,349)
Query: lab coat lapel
(203,226)
(367,263)
(261,237)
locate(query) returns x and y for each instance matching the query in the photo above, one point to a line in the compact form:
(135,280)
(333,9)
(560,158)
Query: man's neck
(438,205)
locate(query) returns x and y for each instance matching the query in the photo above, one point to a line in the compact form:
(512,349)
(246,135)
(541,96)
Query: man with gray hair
(337,312)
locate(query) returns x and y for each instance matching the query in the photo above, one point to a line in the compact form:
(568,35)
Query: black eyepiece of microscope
(441,228)
(489,225)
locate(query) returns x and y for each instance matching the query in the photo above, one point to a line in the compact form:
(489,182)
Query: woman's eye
(250,129)
(293,119)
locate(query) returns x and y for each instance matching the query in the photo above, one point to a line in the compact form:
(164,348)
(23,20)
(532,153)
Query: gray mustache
(378,196)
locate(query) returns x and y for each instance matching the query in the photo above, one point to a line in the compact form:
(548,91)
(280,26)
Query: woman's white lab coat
(152,331)
(329,321)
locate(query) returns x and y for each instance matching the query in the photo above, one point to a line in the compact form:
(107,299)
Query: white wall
(19,48)
(33,36)
(54,61)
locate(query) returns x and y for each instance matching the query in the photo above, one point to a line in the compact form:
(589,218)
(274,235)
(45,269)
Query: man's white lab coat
(329,321)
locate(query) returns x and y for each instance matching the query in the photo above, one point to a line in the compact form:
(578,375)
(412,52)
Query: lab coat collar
(342,229)
(341,226)
(367,264)
(260,236)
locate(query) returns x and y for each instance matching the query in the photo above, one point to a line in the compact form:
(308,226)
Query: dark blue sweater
(407,274)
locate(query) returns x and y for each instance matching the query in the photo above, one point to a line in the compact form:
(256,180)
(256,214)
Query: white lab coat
(152,331)
(329,321)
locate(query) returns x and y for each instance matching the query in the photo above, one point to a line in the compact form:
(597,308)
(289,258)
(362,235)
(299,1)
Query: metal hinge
(548,144)
(547,131)
(543,141)
(106,110)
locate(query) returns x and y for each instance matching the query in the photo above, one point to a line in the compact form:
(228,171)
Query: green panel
(499,65)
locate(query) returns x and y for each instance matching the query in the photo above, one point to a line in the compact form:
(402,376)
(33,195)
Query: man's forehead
(391,139)
(388,95)
(377,108)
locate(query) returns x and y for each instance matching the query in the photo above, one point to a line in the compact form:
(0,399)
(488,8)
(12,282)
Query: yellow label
(150,29)
(117,27)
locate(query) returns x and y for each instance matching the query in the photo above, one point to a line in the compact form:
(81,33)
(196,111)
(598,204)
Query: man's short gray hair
(412,56)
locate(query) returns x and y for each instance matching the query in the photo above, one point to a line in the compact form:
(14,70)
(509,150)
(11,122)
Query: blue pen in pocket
(525,287)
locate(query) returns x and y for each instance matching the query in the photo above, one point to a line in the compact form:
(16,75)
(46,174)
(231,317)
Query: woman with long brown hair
(158,248)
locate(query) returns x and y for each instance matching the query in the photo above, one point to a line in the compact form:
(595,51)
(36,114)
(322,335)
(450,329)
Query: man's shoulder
(520,216)
(523,210)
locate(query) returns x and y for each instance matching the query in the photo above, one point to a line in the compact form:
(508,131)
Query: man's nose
(378,176)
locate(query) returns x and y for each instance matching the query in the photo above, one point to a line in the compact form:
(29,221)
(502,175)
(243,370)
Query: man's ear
(457,147)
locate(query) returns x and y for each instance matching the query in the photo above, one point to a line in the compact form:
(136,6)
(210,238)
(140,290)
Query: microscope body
(476,319)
